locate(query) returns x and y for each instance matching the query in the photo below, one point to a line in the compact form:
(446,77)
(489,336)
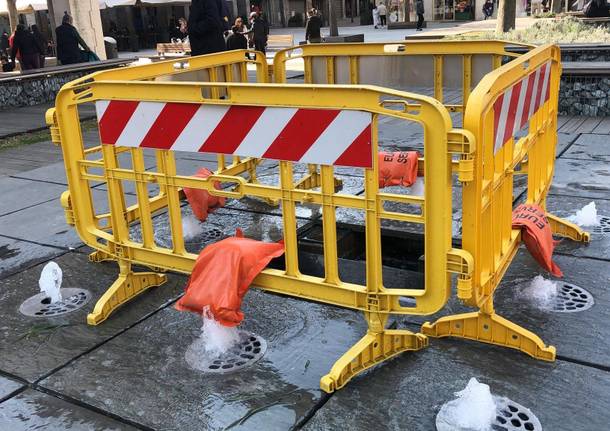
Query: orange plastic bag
(537,235)
(201,201)
(222,275)
(398,168)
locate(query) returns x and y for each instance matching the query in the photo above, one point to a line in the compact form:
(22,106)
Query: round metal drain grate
(244,353)
(40,305)
(604,226)
(571,298)
(209,236)
(512,416)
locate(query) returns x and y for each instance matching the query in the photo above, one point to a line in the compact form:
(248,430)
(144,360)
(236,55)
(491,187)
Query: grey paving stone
(590,147)
(32,410)
(8,386)
(587,179)
(146,365)
(564,140)
(580,335)
(16,255)
(32,347)
(17,194)
(54,173)
(408,392)
(565,206)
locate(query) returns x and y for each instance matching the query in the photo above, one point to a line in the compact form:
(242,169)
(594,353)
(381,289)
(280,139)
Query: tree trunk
(13,16)
(332,18)
(556,6)
(506,15)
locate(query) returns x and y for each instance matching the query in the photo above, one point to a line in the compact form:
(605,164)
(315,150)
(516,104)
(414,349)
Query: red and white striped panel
(321,136)
(514,108)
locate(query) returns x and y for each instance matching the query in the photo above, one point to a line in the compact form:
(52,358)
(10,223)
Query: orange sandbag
(201,201)
(222,275)
(537,235)
(398,168)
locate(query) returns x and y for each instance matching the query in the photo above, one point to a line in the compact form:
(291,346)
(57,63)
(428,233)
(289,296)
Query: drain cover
(208,236)
(40,305)
(246,352)
(604,225)
(512,416)
(571,298)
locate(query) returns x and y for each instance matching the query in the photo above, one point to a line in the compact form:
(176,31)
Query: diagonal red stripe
(525,116)
(303,129)
(359,154)
(512,111)
(232,129)
(497,112)
(539,89)
(169,124)
(115,119)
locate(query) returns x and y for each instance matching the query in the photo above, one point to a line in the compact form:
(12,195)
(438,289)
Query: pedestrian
(68,41)
(4,45)
(419,9)
(239,23)
(382,14)
(375,16)
(488,8)
(206,27)
(42,43)
(259,31)
(312,28)
(236,39)
(25,44)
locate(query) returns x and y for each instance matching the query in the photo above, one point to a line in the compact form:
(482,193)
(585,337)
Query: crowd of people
(29,46)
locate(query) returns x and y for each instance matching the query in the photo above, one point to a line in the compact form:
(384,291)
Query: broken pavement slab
(32,347)
(146,366)
(407,392)
(33,410)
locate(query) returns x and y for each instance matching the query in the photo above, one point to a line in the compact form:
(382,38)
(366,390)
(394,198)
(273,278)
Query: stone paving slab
(32,347)
(408,392)
(565,206)
(589,147)
(7,387)
(16,255)
(146,366)
(33,410)
(564,140)
(580,336)
(587,179)
(18,193)
(28,118)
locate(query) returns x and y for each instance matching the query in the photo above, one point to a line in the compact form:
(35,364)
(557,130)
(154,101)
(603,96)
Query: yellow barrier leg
(126,287)
(372,349)
(493,329)
(100,256)
(567,229)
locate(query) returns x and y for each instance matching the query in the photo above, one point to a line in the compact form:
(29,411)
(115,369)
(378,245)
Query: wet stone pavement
(130,372)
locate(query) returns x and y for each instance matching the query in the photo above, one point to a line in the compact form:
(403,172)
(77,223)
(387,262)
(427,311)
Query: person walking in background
(312,28)
(375,16)
(419,10)
(25,44)
(206,27)
(259,32)
(68,41)
(42,43)
(237,40)
(4,45)
(382,14)
(488,8)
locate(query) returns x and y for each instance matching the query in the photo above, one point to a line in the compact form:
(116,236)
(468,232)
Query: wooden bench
(179,48)
(275,42)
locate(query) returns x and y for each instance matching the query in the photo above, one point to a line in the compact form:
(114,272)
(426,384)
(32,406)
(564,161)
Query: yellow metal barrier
(151,95)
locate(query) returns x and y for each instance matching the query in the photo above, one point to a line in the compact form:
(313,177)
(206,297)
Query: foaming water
(586,216)
(474,409)
(50,281)
(417,189)
(215,341)
(191,227)
(540,292)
